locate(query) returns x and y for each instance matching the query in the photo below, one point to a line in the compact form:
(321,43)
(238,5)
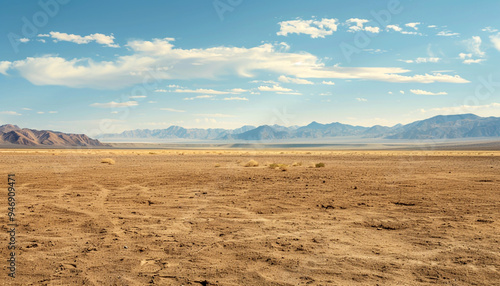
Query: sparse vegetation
(320,165)
(296,164)
(252,163)
(277,166)
(217,165)
(108,161)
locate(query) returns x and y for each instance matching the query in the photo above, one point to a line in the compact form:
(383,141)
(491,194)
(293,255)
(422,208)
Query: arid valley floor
(168,217)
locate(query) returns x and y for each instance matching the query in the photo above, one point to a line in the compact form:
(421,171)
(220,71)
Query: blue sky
(107,66)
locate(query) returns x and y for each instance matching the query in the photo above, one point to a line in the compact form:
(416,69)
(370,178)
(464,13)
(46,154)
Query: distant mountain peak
(12,134)
(441,126)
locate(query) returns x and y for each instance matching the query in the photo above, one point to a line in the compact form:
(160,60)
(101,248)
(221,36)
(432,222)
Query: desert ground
(201,217)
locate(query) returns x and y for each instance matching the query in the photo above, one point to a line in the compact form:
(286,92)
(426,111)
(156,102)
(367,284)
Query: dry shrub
(108,161)
(320,165)
(296,164)
(217,165)
(277,166)
(252,163)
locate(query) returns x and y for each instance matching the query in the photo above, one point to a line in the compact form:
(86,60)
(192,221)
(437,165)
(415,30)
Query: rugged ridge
(437,127)
(12,134)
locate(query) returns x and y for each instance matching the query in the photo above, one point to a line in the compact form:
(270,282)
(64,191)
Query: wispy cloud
(10,113)
(360,99)
(273,88)
(201,90)
(447,33)
(495,40)
(423,92)
(152,56)
(200,97)
(215,115)
(286,79)
(113,104)
(489,30)
(236,98)
(102,39)
(172,109)
(328,82)
(423,60)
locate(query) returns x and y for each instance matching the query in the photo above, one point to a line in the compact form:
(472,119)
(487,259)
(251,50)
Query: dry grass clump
(277,166)
(217,165)
(320,165)
(108,161)
(296,164)
(252,163)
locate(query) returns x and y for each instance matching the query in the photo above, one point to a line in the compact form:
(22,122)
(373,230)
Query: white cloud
(137,96)
(394,28)
(474,46)
(489,30)
(4,66)
(374,30)
(10,113)
(161,90)
(398,29)
(473,61)
(113,104)
(238,90)
(423,60)
(53,112)
(273,88)
(286,79)
(360,99)
(151,101)
(172,110)
(25,108)
(24,40)
(201,90)
(159,60)
(289,92)
(328,82)
(97,37)
(359,26)
(495,40)
(423,92)
(413,25)
(447,34)
(199,97)
(41,40)
(236,98)
(402,91)
(216,115)
(432,26)
(43,35)
(40,112)
(390,92)
(316,29)
(463,56)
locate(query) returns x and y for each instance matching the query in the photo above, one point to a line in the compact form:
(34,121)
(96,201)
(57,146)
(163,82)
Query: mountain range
(437,127)
(13,134)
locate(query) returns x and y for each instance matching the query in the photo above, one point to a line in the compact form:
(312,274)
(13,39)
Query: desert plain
(201,217)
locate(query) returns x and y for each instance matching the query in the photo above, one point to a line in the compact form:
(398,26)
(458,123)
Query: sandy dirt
(201,218)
